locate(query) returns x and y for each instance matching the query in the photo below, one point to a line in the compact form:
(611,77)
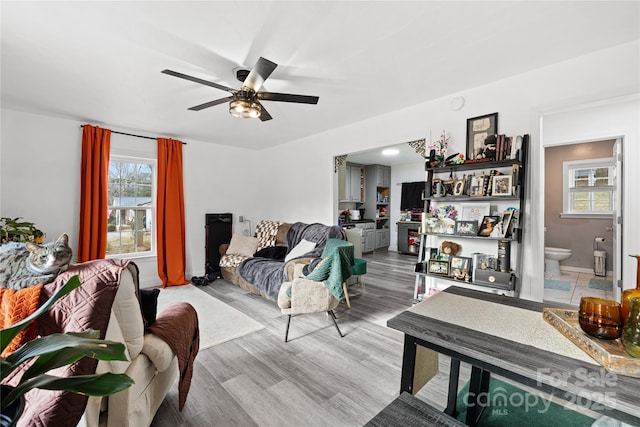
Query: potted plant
(17,230)
(53,351)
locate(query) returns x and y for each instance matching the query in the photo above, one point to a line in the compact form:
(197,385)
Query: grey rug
(602,284)
(561,285)
(218,321)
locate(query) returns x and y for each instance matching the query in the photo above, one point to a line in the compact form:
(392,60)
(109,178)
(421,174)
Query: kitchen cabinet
(351,183)
(369,240)
(378,194)
(383,238)
(490,262)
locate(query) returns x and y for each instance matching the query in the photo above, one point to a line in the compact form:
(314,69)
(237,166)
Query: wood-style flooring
(317,378)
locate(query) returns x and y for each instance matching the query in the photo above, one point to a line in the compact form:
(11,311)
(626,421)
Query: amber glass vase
(631,330)
(631,293)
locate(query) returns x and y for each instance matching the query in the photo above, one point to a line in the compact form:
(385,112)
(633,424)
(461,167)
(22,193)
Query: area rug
(561,285)
(218,321)
(511,406)
(602,284)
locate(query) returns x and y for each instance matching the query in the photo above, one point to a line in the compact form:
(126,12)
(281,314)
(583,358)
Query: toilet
(552,258)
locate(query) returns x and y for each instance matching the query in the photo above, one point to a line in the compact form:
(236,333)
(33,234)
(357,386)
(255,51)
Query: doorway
(580,194)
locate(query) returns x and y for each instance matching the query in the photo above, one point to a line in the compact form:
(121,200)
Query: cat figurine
(29,264)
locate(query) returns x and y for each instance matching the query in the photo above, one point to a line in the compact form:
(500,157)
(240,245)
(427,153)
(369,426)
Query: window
(130,227)
(588,188)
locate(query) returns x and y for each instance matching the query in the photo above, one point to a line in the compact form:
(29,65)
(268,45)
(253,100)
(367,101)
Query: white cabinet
(351,183)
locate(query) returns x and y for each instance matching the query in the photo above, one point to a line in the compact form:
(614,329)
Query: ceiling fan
(245,102)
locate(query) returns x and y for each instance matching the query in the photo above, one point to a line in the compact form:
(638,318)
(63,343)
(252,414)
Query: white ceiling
(100,62)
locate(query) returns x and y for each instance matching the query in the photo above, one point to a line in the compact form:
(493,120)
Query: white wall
(296,181)
(618,117)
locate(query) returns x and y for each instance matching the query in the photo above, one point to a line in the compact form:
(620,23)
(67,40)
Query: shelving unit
(503,282)
(378,202)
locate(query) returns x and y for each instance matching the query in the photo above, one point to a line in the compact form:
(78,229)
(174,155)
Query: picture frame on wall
(487,225)
(478,129)
(501,185)
(439,267)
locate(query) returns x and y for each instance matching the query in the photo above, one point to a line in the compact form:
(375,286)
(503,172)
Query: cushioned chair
(322,289)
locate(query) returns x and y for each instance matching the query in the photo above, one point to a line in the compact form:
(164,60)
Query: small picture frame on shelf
(507,216)
(478,130)
(477,186)
(439,267)
(475,211)
(467,228)
(460,262)
(487,225)
(501,185)
(459,186)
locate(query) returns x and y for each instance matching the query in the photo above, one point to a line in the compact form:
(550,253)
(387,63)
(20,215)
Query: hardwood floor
(317,378)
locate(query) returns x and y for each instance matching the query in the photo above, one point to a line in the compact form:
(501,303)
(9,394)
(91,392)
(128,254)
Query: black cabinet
(406,231)
(218,227)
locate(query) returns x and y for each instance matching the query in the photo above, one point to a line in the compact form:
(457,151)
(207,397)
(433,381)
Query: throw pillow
(300,249)
(149,304)
(273,252)
(242,245)
(16,306)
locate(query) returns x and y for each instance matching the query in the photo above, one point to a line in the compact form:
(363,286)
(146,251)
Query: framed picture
(478,129)
(477,186)
(474,211)
(487,225)
(460,268)
(437,266)
(459,186)
(468,228)
(506,223)
(501,185)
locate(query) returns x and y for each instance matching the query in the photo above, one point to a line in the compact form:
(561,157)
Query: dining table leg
(478,397)
(408,364)
(452,394)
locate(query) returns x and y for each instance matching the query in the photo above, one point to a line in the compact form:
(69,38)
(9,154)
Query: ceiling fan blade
(259,74)
(264,114)
(287,97)
(211,103)
(197,80)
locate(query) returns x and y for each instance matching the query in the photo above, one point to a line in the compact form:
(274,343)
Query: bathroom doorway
(580,222)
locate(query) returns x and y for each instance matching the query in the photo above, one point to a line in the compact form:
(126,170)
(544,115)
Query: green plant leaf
(6,335)
(92,385)
(57,350)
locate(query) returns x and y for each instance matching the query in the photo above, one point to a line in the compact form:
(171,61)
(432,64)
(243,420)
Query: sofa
(261,263)
(108,300)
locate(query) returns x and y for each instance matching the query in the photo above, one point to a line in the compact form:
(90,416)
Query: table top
(509,337)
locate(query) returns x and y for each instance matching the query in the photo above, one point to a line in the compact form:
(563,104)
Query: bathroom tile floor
(579,288)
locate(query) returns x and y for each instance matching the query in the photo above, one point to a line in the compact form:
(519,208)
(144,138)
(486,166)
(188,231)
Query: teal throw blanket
(336,266)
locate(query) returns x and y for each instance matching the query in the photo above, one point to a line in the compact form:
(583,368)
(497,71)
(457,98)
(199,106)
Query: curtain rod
(132,134)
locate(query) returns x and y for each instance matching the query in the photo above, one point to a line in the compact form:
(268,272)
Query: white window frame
(154,183)
(571,165)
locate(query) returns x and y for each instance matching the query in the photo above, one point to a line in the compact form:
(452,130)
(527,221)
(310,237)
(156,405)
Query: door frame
(533,274)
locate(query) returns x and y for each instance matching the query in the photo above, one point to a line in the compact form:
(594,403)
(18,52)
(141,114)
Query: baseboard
(581,270)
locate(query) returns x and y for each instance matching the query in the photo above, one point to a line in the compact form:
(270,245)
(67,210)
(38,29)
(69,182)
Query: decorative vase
(631,329)
(628,294)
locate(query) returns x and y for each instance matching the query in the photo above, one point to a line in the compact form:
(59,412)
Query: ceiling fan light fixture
(244,108)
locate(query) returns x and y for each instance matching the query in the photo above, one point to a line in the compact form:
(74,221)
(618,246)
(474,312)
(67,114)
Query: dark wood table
(509,337)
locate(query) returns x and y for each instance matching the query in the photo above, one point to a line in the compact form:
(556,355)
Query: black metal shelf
(451,279)
(489,164)
(514,238)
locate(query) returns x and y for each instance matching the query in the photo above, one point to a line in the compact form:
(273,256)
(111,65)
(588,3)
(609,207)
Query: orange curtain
(170,214)
(94,178)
